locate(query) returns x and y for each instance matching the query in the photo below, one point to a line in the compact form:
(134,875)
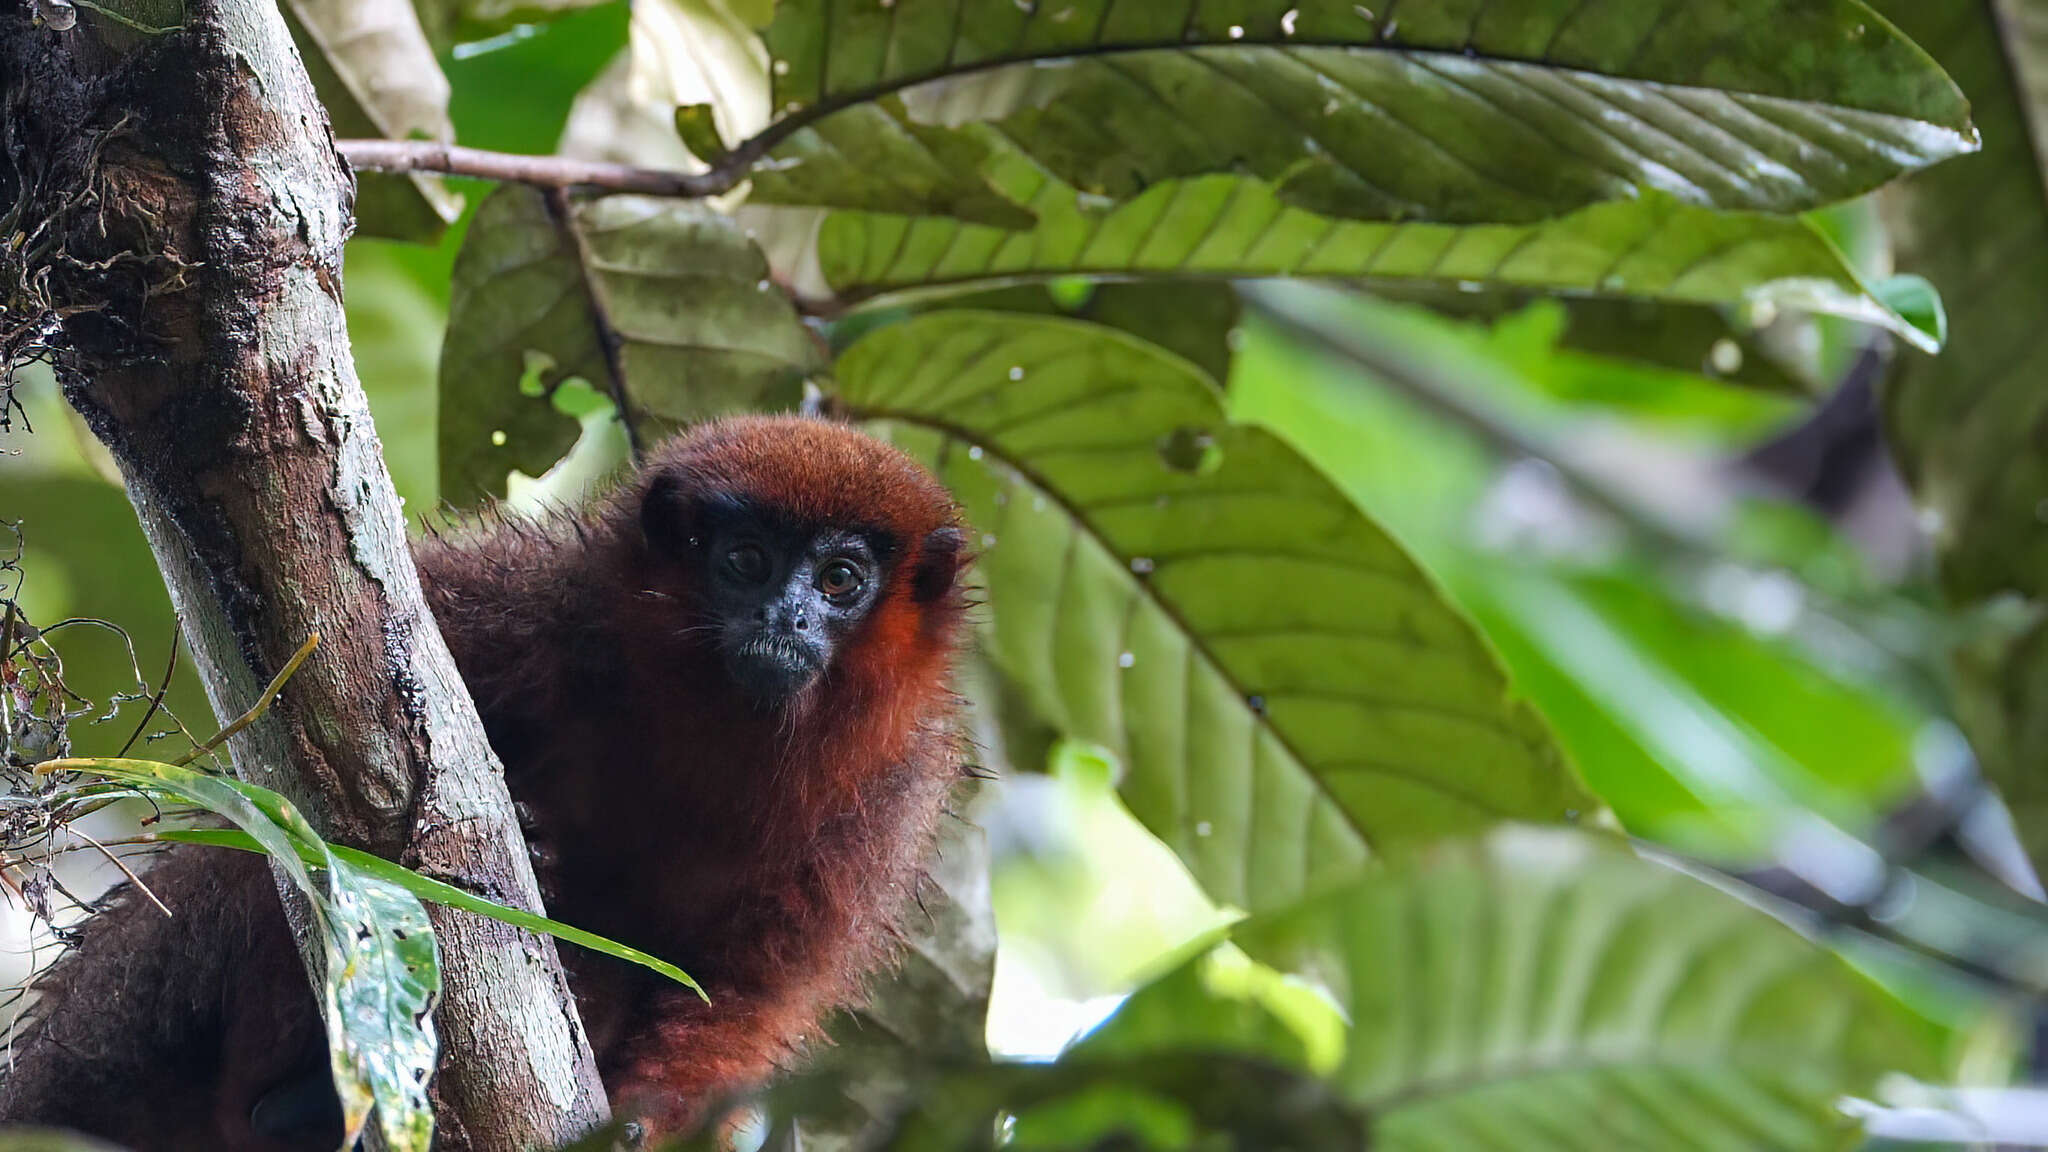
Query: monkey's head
(792,546)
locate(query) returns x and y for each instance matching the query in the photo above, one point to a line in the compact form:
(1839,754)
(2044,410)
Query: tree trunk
(183,212)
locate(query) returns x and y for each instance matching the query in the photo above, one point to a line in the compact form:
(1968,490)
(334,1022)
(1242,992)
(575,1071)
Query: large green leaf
(1545,989)
(1969,427)
(379,974)
(1286,691)
(1221,226)
(659,304)
(1805,50)
(1425,113)
(376,76)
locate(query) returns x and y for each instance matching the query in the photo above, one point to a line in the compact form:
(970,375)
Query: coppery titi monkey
(722,694)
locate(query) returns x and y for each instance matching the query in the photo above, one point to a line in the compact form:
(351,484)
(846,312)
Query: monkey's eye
(839,579)
(748,563)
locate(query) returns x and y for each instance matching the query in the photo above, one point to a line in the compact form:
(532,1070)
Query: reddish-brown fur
(769,851)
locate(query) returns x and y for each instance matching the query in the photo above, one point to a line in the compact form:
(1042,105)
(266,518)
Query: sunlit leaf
(1546,989)
(657,302)
(1286,691)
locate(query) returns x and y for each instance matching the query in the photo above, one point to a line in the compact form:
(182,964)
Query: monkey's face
(781,595)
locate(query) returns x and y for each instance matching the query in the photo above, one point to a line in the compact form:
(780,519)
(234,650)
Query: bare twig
(257,709)
(156,700)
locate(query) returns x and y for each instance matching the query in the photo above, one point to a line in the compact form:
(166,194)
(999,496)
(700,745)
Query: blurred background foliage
(1721,599)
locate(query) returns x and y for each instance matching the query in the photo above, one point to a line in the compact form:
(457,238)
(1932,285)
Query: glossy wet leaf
(380,973)
(1286,691)
(658,302)
(1545,989)
(1219,226)
(376,75)
(450,22)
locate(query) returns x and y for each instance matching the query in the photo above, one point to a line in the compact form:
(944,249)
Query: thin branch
(538,171)
(257,709)
(156,701)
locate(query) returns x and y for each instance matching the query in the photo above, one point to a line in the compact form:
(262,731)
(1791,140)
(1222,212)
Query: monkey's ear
(666,516)
(938,563)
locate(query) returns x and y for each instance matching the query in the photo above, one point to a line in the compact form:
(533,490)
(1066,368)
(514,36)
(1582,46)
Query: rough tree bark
(183,212)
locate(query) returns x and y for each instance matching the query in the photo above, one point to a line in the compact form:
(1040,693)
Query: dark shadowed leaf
(1546,989)
(1968,427)
(377,77)
(1286,691)
(658,302)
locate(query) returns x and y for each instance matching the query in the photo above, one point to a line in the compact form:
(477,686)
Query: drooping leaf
(658,303)
(380,973)
(377,77)
(1653,248)
(1286,691)
(1968,427)
(1545,989)
(1196,320)
(428,888)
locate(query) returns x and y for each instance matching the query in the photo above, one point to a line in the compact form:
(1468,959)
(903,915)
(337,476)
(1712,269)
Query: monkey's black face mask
(781,595)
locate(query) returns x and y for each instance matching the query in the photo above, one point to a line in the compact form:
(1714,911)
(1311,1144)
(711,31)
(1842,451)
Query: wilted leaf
(380,975)
(1285,690)
(377,77)
(1653,248)
(1545,989)
(657,302)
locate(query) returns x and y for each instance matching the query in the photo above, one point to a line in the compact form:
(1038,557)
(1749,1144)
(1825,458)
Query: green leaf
(427,888)
(450,22)
(1801,50)
(1968,427)
(1286,691)
(375,73)
(1428,113)
(1219,226)
(1545,989)
(656,302)
(1164,1100)
(875,158)
(380,972)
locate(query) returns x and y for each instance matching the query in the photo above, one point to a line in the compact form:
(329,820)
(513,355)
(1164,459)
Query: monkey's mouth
(772,668)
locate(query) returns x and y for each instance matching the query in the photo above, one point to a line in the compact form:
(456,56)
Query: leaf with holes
(1218,226)
(657,303)
(1286,691)
(379,973)
(1454,111)
(1545,989)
